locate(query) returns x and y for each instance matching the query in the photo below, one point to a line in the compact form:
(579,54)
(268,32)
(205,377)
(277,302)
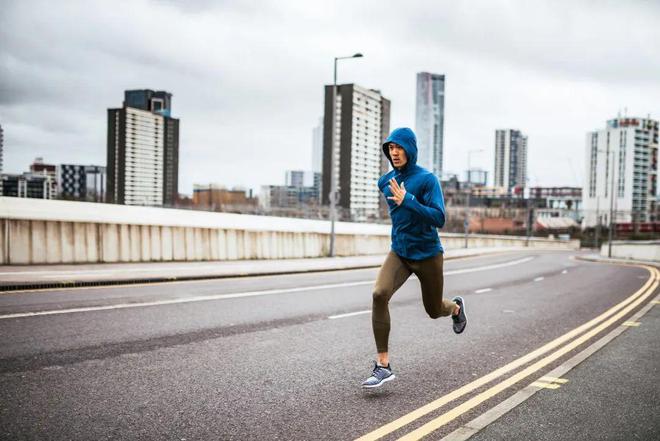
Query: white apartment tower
(141,167)
(510,159)
(362,122)
(625,155)
(429,121)
(143,150)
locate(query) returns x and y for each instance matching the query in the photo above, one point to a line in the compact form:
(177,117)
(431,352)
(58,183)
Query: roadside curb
(15,287)
(147,280)
(599,259)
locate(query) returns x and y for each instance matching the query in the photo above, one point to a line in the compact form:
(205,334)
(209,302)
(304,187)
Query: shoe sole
(385,380)
(461,331)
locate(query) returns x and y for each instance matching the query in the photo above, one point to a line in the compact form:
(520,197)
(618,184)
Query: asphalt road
(261,358)
(613,395)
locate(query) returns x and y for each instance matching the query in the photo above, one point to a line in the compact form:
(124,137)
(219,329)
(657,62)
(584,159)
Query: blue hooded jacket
(414,222)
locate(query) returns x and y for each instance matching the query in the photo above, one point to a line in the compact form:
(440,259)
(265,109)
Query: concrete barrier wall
(40,231)
(634,250)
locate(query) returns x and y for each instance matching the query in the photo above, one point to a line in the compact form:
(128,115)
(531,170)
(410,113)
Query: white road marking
(350,314)
(237,295)
(488,267)
(564,272)
(538,279)
(545,385)
(554,380)
(479,291)
(186,300)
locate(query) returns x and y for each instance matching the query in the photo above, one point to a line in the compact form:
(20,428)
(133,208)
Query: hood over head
(405,137)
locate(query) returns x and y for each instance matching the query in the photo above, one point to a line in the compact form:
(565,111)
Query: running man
(417,208)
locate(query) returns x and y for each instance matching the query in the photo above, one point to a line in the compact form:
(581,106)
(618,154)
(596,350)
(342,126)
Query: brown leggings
(394,272)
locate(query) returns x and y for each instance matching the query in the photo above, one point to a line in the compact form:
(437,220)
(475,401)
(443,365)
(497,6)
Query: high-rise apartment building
(362,122)
(143,150)
(510,160)
(623,155)
(429,121)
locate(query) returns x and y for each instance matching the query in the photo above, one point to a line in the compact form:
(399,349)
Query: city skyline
(56,85)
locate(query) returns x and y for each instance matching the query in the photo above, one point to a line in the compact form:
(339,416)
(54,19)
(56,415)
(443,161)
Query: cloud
(605,41)
(248,78)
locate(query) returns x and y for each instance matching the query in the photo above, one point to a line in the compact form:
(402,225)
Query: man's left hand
(398,192)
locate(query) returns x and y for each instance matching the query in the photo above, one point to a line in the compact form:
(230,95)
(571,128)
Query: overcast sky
(247,77)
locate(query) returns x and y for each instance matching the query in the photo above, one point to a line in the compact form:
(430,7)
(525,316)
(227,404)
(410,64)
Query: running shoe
(460,320)
(379,376)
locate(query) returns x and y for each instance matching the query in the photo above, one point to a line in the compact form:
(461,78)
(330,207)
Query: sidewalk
(67,276)
(602,259)
(613,394)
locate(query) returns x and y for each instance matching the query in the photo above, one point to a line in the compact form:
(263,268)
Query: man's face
(398,155)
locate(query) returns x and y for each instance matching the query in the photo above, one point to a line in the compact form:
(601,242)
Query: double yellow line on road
(598,324)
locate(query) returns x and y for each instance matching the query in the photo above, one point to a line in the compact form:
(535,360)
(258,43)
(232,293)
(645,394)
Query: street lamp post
(466,222)
(333,158)
(609,239)
(611,220)
(597,239)
(530,211)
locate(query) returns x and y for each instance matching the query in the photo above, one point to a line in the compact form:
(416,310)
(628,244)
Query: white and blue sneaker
(379,376)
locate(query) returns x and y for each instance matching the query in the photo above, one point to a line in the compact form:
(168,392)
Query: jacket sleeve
(432,209)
